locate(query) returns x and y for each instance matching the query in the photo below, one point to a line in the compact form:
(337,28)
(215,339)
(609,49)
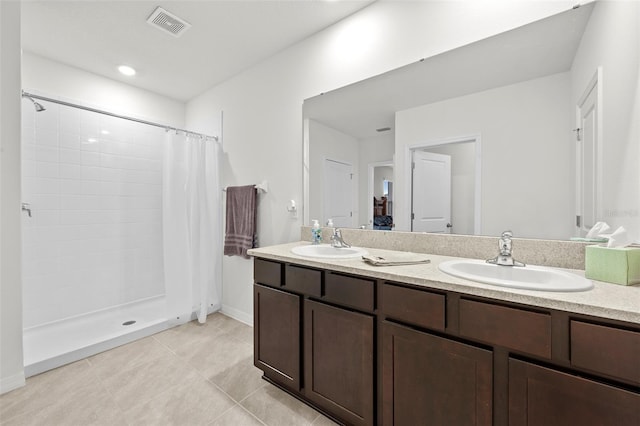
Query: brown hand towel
(241,220)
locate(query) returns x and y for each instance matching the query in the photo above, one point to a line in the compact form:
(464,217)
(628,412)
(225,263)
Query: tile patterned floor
(189,375)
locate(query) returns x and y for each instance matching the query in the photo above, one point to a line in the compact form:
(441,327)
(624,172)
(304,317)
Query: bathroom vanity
(409,345)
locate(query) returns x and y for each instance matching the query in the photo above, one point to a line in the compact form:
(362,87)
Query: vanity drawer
(514,328)
(303,280)
(267,272)
(419,307)
(349,291)
(607,350)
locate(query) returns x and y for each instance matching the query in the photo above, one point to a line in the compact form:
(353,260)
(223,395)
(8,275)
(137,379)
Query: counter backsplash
(554,253)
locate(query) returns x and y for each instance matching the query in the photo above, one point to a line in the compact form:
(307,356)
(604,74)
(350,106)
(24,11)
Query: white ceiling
(535,50)
(226,37)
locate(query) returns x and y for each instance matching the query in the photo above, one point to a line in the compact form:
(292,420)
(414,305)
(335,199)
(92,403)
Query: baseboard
(7,384)
(237,315)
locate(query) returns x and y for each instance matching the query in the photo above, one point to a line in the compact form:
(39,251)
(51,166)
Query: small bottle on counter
(316,232)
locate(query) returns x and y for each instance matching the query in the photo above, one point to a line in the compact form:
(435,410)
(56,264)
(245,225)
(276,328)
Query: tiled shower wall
(94,240)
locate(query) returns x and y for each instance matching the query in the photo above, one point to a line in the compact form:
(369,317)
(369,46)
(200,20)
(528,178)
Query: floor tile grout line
(112,397)
(123,412)
(230,329)
(246,411)
(208,380)
(95,377)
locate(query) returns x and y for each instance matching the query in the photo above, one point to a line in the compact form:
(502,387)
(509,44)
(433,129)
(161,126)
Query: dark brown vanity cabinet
(540,396)
(369,351)
(433,380)
(277,335)
(338,361)
(428,378)
(315,335)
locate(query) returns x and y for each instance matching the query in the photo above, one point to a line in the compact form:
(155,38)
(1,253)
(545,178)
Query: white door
(338,193)
(586,160)
(431,192)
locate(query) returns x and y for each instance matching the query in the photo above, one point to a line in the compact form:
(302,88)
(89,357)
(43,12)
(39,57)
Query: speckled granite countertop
(604,300)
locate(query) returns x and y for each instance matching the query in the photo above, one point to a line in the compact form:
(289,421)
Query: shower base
(54,344)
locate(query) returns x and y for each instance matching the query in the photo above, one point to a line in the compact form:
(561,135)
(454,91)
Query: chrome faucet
(337,241)
(505,258)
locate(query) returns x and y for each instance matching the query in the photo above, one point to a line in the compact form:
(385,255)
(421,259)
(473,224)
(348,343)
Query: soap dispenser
(316,232)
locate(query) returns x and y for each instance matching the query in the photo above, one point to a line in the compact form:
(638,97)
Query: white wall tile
(69,171)
(46,137)
(69,140)
(96,236)
(46,153)
(46,170)
(42,201)
(90,172)
(70,156)
(90,158)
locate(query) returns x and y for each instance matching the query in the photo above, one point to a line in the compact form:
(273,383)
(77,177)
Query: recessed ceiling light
(126,70)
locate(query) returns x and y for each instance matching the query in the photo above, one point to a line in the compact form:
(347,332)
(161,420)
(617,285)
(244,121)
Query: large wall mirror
(484,138)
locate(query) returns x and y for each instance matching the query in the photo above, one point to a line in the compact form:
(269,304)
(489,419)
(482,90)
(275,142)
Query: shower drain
(129,322)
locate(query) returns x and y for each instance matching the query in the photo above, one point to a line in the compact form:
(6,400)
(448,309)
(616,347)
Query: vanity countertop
(605,300)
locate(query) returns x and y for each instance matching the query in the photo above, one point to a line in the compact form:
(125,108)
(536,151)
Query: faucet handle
(505,243)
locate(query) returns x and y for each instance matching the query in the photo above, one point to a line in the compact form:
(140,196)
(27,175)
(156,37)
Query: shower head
(37,105)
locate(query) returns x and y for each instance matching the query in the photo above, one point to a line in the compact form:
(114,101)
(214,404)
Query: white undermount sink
(326,251)
(527,277)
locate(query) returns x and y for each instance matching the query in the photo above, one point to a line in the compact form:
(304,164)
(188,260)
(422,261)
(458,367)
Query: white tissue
(597,230)
(619,238)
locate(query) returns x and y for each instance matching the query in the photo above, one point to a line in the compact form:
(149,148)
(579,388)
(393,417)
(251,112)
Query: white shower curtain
(192,227)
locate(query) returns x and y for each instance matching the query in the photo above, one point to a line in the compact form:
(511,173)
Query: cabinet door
(431,380)
(276,335)
(338,348)
(546,397)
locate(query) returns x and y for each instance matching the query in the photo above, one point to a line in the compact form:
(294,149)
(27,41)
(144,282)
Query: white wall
(531,139)
(329,144)
(263,105)
(11,360)
(612,41)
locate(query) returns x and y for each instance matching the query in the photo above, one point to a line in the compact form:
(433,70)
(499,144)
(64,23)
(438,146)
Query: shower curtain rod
(124,117)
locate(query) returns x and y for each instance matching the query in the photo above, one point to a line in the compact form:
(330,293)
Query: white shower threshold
(54,344)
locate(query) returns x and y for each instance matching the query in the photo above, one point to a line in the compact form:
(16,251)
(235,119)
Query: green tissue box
(613,265)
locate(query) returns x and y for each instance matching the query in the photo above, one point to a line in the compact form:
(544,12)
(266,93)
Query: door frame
(370,175)
(594,84)
(408,156)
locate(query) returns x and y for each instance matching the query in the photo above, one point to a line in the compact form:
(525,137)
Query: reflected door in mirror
(431,192)
(338,182)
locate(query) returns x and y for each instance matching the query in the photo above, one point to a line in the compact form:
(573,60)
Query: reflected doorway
(338,193)
(465,182)
(588,156)
(380,195)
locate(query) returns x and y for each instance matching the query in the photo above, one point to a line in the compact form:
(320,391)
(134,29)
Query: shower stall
(94,230)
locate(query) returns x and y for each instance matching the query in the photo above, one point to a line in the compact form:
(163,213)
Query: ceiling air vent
(168,22)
